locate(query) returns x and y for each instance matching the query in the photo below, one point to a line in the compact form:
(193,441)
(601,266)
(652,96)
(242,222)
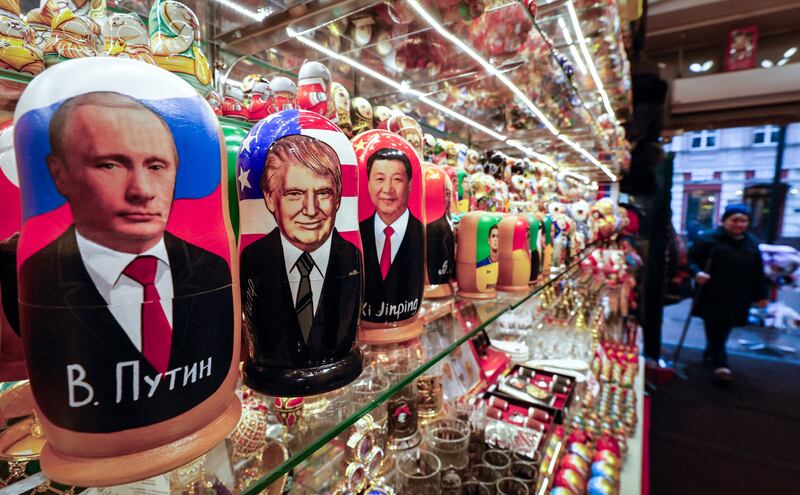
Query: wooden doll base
(373,333)
(118,470)
(513,288)
(302,382)
(440,291)
(477,295)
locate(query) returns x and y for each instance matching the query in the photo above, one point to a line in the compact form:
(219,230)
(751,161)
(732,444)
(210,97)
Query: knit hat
(736,209)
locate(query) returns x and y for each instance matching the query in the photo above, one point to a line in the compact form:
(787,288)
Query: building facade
(713,168)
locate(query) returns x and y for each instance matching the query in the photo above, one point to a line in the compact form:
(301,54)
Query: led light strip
(532,154)
(390,82)
(578,176)
(257,16)
(510,85)
(576,25)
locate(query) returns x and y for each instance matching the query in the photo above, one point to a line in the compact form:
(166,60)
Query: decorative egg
(571,480)
(601,468)
(601,486)
(582,450)
(576,463)
(288,410)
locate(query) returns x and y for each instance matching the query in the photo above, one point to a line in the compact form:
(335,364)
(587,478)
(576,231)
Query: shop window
(759,198)
(767,135)
(703,140)
(700,211)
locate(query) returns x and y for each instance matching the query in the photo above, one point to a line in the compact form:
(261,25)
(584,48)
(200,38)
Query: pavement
(675,315)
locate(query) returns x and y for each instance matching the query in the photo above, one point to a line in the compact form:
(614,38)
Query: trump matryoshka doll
(301,267)
(129,302)
(392,229)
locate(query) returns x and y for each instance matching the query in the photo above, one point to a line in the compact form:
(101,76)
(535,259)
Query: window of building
(766,135)
(704,140)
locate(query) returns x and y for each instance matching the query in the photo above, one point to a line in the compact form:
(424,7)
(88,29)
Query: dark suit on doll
(269,309)
(404,283)
(66,322)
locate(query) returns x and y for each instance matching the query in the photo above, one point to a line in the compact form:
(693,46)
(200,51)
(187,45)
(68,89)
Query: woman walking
(727,267)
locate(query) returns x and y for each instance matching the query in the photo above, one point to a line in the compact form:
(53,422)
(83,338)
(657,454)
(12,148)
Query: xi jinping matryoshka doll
(301,267)
(440,240)
(514,254)
(393,236)
(129,311)
(478,255)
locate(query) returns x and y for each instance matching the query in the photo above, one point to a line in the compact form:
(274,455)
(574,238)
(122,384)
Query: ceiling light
(576,26)
(783,61)
(707,65)
(695,67)
(257,16)
(791,51)
(767,63)
(402,87)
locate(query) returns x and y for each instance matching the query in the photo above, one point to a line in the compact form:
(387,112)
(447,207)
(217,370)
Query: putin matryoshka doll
(514,253)
(301,267)
(392,229)
(440,240)
(477,255)
(129,311)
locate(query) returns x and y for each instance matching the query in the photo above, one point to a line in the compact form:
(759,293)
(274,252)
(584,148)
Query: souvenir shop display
(338,257)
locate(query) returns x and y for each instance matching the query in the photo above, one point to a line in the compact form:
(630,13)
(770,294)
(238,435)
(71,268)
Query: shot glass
(419,473)
(511,486)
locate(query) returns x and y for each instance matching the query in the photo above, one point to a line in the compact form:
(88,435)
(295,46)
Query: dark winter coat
(737,276)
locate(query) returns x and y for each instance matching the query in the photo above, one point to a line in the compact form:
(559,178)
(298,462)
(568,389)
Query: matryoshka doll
(428,143)
(284,95)
(12,360)
(392,225)
(547,238)
(361,114)
(75,30)
(234,135)
(473,159)
(125,35)
(514,253)
(440,239)
(560,234)
(233,104)
(145,279)
(300,256)
(18,48)
(478,255)
(380,117)
(313,82)
(537,244)
(259,99)
(465,198)
(409,129)
(341,102)
(175,41)
(580,214)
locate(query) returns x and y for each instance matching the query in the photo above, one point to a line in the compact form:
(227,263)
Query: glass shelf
(474,316)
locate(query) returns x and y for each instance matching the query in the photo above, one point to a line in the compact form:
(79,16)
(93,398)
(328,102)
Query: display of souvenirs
(313,83)
(361,115)
(125,35)
(391,216)
(76,30)
(175,41)
(19,50)
(284,95)
(300,259)
(165,379)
